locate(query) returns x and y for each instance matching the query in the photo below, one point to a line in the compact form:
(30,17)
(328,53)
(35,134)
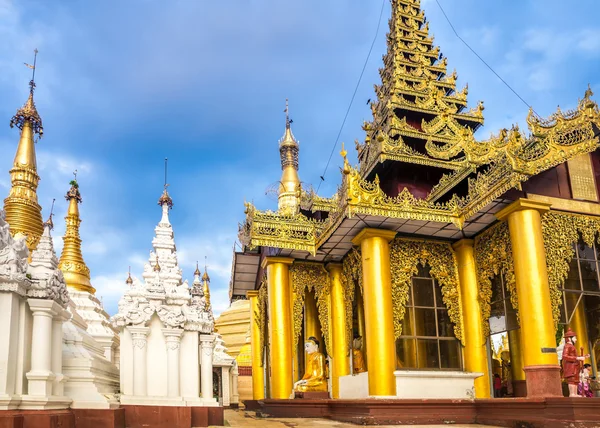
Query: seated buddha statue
(358,360)
(314,379)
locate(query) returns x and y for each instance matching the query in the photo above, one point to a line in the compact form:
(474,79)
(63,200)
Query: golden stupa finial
(75,271)
(165,199)
(288,200)
(206,284)
(23,212)
(197,271)
(157,265)
(49,223)
(129,280)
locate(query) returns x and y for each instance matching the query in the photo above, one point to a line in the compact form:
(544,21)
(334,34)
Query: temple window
(428,340)
(503,317)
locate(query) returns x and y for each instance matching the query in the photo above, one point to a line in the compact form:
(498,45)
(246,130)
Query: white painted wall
(156,359)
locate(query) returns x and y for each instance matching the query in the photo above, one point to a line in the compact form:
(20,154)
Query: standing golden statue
(314,379)
(358,360)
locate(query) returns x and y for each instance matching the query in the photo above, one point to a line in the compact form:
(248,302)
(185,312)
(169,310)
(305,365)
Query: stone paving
(241,418)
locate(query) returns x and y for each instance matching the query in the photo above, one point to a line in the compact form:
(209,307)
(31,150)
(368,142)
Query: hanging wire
(322,177)
(481,59)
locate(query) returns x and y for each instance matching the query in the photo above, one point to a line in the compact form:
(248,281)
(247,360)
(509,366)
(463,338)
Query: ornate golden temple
(436,241)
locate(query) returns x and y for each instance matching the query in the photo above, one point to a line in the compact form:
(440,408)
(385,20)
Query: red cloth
(570,364)
(497,383)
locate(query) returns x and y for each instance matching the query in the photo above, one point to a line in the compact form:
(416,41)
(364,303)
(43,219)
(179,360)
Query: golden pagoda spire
(23,212)
(206,285)
(289,187)
(77,274)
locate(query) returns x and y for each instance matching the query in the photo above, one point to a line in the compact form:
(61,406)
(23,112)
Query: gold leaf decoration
(351,275)
(405,256)
(261,317)
(310,276)
(493,255)
(561,231)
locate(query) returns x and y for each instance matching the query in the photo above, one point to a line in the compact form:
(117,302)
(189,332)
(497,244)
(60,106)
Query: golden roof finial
(206,284)
(129,280)
(197,271)
(288,199)
(157,265)
(23,212)
(165,199)
(346,169)
(75,271)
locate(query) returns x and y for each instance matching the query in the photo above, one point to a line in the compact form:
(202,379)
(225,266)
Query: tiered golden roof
(414,82)
(417,105)
(23,212)
(76,272)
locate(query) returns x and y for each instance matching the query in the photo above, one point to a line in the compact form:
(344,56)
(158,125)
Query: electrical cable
(322,177)
(481,59)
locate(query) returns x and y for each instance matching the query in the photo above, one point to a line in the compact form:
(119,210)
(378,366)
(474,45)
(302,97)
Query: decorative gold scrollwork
(405,256)
(310,276)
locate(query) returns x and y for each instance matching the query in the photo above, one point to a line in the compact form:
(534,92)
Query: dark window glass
(428,354)
(445,327)
(425,323)
(407,325)
(406,352)
(439,299)
(589,275)
(423,271)
(449,354)
(584,252)
(423,292)
(571,300)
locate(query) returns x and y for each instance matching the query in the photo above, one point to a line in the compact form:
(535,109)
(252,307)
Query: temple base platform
(312,395)
(123,417)
(515,412)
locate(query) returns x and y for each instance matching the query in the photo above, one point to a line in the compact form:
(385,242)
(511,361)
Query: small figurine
(358,361)
(571,363)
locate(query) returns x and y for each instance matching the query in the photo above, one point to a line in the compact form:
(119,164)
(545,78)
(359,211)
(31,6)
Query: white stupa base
(354,386)
(33,402)
(9,402)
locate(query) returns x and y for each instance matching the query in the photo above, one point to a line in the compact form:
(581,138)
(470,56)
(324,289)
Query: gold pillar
(379,319)
(280,326)
(516,355)
(258,374)
(475,350)
(579,326)
(339,342)
(360,318)
(312,327)
(535,310)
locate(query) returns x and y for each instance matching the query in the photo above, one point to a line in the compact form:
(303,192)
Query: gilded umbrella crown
(129,280)
(197,271)
(157,265)
(165,199)
(73,192)
(28,113)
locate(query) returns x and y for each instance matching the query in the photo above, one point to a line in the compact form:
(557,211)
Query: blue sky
(122,85)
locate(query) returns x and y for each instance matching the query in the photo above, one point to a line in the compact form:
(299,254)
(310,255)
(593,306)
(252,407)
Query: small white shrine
(33,302)
(166,355)
(226,374)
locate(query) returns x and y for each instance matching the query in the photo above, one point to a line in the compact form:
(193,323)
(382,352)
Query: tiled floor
(240,418)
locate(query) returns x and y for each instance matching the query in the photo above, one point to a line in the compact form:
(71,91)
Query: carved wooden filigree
(261,316)
(351,276)
(310,276)
(405,256)
(493,255)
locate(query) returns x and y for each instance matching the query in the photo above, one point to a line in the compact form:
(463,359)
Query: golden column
(475,351)
(258,374)
(377,289)
(540,360)
(77,274)
(280,325)
(339,342)
(23,212)
(579,326)
(516,363)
